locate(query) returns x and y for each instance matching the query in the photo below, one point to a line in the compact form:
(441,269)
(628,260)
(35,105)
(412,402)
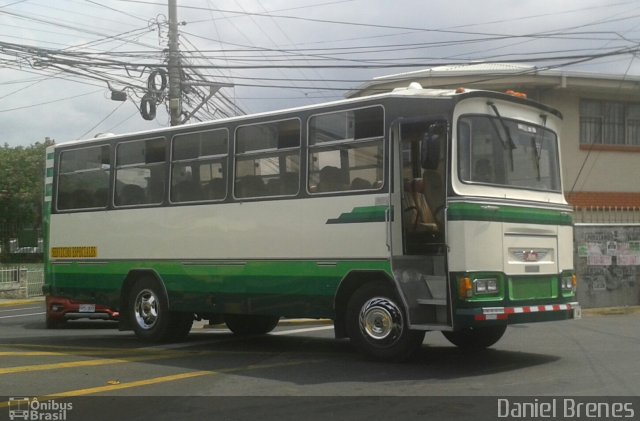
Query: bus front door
(418,199)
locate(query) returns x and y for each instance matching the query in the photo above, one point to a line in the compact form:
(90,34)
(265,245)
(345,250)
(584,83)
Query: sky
(60,61)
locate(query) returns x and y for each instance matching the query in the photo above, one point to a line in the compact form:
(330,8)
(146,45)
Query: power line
(50,102)
(101,121)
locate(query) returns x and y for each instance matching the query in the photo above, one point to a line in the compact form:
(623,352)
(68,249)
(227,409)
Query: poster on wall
(608,265)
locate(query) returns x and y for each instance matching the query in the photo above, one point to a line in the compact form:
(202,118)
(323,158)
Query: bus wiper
(535,147)
(508,143)
(537,154)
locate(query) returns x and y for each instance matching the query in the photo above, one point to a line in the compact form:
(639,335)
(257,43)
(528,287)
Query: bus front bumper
(521,314)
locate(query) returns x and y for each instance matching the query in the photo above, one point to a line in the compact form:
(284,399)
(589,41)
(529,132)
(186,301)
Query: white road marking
(229,339)
(309,329)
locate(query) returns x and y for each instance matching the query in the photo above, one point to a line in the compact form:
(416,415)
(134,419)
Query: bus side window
(267,161)
(346,151)
(199,166)
(331,179)
(83,178)
(250,186)
(216,189)
(131,194)
(360,184)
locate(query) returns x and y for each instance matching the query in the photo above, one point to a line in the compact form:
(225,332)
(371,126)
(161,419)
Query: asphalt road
(301,370)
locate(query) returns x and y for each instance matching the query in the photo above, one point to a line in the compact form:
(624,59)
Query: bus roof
(413,90)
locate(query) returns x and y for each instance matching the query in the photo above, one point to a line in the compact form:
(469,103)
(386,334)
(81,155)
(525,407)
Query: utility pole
(175,91)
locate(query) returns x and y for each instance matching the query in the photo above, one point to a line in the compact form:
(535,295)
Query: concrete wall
(607,259)
(612,171)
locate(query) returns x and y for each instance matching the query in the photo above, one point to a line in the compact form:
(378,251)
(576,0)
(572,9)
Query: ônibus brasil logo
(31,409)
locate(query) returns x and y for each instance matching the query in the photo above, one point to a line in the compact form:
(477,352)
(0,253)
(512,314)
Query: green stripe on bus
(50,156)
(287,277)
(361,214)
(48,190)
(497,213)
(50,172)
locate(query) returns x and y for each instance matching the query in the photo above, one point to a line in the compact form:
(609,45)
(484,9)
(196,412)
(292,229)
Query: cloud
(376,31)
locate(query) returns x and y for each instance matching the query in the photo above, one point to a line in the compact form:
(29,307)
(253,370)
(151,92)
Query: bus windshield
(506,152)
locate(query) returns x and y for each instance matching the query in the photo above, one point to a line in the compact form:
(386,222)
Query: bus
(392,215)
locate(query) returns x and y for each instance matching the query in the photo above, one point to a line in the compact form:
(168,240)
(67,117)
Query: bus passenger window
(140,172)
(267,162)
(131,194)
(199,166)
(83,178)
(216,189)
(250,186)
(331,179)
(360,184)
(346,151)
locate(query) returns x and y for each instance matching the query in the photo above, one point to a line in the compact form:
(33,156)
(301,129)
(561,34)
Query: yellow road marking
(88,363)
(87,353)
(128,385)
(163,379)
(74,348)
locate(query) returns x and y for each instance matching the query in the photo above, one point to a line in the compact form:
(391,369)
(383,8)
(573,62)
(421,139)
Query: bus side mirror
(430,151)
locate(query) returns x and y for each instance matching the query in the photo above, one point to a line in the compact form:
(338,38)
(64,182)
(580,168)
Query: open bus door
(417,227)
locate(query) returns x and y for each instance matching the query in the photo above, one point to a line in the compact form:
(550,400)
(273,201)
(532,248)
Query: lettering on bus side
(74,252)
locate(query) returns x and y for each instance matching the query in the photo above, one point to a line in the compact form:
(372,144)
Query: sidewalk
(11,302)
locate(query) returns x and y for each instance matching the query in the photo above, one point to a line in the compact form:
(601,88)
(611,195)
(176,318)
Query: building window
(609,123)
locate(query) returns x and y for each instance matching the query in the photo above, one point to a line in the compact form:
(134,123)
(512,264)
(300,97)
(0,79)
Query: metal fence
(21,282)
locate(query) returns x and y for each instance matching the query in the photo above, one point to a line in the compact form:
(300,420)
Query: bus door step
(433,312)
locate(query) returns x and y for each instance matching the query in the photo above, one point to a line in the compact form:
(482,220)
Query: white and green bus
(393,215)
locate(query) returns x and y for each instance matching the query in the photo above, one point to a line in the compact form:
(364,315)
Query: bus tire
(250,324)
(150,316)
(377,324)
(473,338)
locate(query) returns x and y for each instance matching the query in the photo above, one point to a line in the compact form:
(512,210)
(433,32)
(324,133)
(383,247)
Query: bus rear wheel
(377,325)
(150,316)
(472,338)
(250,324)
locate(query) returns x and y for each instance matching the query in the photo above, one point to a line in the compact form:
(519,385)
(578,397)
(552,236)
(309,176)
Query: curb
(611,311)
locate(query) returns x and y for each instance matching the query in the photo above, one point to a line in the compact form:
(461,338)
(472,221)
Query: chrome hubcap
(381,320)
(146,309)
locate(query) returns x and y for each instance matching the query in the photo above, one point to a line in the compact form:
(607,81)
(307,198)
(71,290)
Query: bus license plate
(87,308)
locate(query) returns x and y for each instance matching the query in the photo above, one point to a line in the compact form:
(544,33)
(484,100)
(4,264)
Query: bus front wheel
(377,325)
(475,337)
(150,316)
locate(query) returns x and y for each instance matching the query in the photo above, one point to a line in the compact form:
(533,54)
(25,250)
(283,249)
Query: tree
(21,189)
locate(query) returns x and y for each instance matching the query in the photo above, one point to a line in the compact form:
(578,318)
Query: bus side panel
(259,257)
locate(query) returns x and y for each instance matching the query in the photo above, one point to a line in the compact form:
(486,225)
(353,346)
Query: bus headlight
(485,286)
(568,283)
